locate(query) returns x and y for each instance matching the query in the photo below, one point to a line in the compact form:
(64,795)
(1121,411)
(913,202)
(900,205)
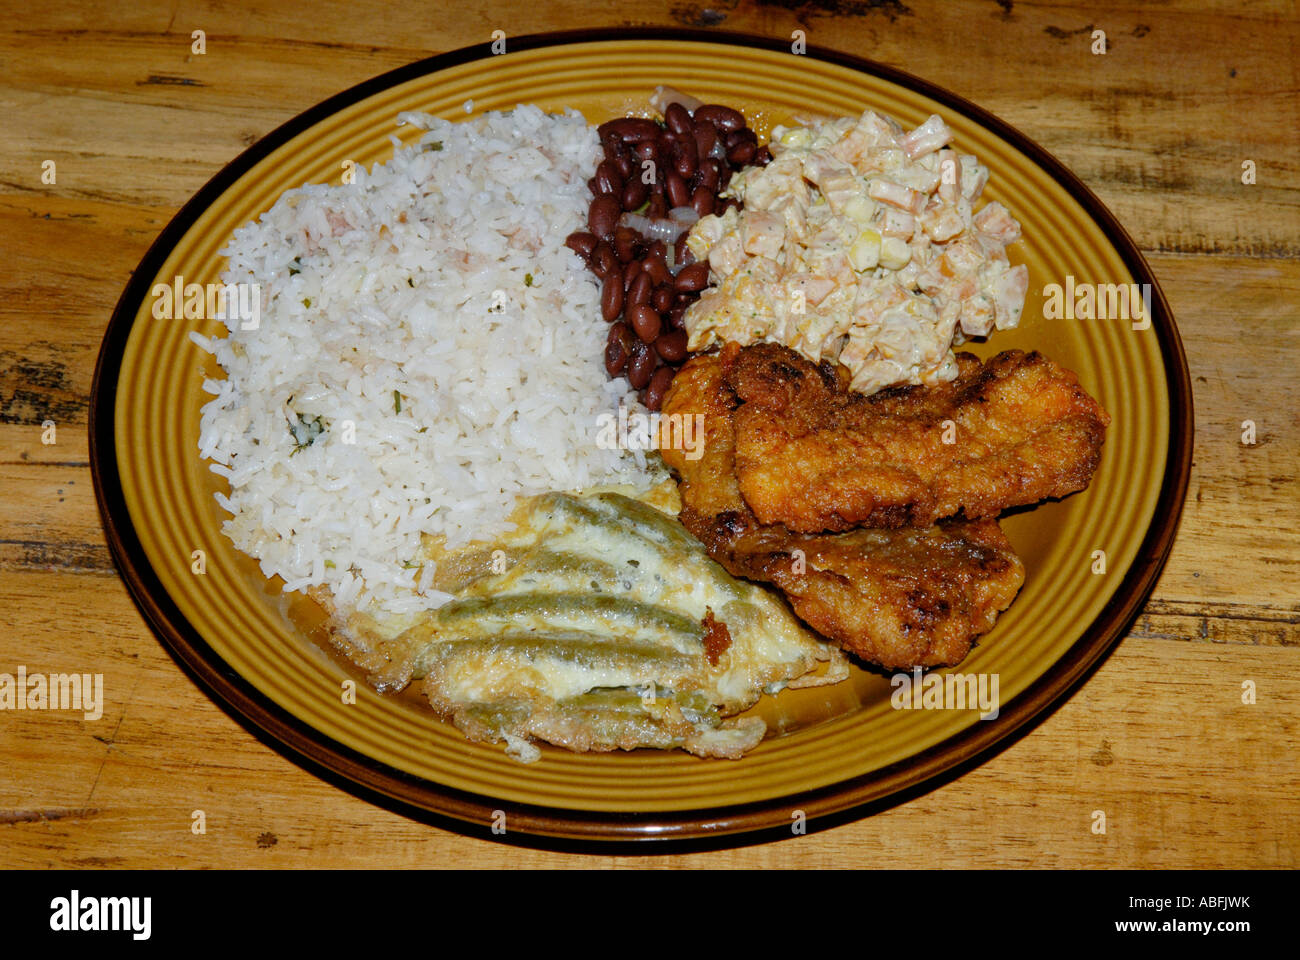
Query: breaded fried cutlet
(898,598)
(815,456)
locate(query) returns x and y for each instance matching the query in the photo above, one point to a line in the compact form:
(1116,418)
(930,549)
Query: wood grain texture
(1158,738)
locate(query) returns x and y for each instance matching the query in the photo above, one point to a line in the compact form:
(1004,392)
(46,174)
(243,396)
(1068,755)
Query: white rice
(472,309)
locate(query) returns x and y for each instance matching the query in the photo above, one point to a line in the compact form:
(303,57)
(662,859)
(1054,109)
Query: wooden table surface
(1159,127)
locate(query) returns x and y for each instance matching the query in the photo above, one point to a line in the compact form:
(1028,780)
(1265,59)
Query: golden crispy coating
(815,456)
(708,484)
(897,598)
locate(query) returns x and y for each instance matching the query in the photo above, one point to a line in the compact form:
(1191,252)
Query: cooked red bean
(603,215)
(641,365)
(671,345)
(663,160)
(702,201)
(648,150)
(708,175)
(738,136)
(639,292)
(634,193)
(608,179)
(658,208)
(603,259)
(763,157)
(625,239)
(645,321)
(692,278)
(684,159)
(677,316)
(623,161)
(662,299)
(742,153)
(658,386)
(581,243)
(630,129)
(675,186)
(657,268)
(677,118)
(724,118)
(630,272)
(617,348)
(611,298)
(706,135)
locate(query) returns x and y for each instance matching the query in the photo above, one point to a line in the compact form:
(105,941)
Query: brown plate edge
(240,696)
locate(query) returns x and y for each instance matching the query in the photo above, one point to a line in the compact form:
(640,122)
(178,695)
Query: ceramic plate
(829,749)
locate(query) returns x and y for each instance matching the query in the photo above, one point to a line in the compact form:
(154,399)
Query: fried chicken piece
(897,598)
(815,456)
